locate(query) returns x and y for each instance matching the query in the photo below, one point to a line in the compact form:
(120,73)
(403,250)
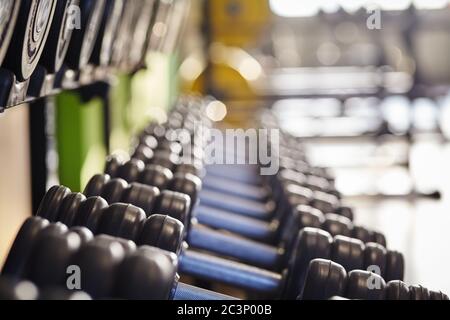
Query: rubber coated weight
(84,39)
(397,290)
(112,191)
(148,274)
(123,34)
(143,153)
(103,50)
(375,255)
(18,255)
(113,163)
(438,295)
(139,37)
(50,205)
(131,170)
(95,186)
(395,266)
(85,234)
(53,247)
(142,196)
(365,285)
(419,293)
(174,204)
(325,279)
(155,175)
(90,213)
(14,290)
(9,10)
(127,245)
(121,220)
(69,208)
(59,36)
(98,261)
(162,232)
(337,225)
(30,35)
(348,252)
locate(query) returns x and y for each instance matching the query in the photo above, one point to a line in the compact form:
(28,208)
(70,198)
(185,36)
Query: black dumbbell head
(50,204)
(297,195)
(128,246)
(325,202)
(434,295)
(69,208)
(59,36)
(311,244)
(90,212)
(84,233)
(8,18)
(95,186)
(379,238)
(395,266)
(142,196)
(419,293)
(362,234)
(50,255)
(325,279)
(163,232)
(364,285)
(11,289)
(147,274)
(174,204)
(83,40)
(98,261)
(30,35)
(375,256)
(188,184)
(122,221)
(337,225)
(157,176)
(346,212)
(143,153)
(166,159)
(113,164)
(397,290)
(131,170)
(20,250)
(113,190)
(348,252)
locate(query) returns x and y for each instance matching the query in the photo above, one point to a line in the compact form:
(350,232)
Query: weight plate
(143,17)
(30,35)
(59,36)
(102,54)
(123,34)
(159,28)
(9,9)
(84,39)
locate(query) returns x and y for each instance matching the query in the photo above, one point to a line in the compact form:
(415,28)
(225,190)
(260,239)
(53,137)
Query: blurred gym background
(366,83)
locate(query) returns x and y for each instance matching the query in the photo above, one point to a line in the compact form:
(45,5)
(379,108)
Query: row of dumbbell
(51,33)
(115,268)
(48,206)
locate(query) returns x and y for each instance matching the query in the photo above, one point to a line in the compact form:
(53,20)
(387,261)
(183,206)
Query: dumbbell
(83,40)
(116,190)
(104,262)
(112,18)
(25,290)
(155,175)
(166,232)
(33,24)
(59,36)
(9,11)
(138,38)
(355,285)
